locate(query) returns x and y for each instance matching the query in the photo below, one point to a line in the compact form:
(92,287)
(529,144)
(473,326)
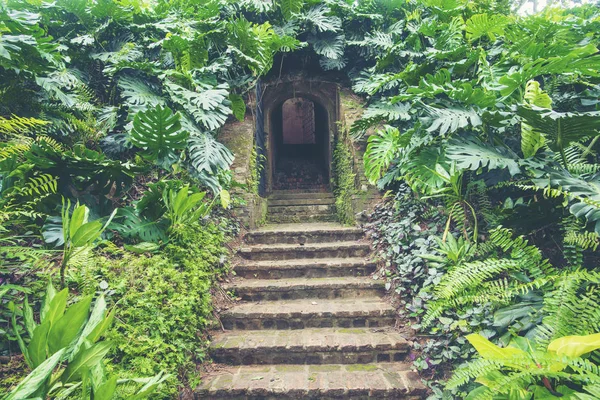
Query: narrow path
(312,323)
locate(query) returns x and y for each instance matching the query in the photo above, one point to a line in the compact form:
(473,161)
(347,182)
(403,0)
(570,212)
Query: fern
(20,125)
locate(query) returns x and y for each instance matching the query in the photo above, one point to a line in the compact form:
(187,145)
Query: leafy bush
(164,304)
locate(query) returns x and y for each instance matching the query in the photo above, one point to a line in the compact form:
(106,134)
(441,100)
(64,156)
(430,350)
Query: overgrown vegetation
(344,178)
(486,124)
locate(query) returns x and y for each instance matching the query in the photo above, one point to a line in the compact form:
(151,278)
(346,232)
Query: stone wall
(239,138)
(343,108)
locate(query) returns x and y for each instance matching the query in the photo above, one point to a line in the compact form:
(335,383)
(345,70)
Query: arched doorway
(300,129)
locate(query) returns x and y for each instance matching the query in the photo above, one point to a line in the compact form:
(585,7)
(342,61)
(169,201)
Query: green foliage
(521,372)
(69,336)
(163,303)
(159,133)
(344,181)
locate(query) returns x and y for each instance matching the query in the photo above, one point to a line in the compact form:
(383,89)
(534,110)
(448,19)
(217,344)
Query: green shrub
(343,180)
(164,304)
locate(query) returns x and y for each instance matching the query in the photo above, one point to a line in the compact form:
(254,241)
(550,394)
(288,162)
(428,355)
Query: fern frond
(20,125)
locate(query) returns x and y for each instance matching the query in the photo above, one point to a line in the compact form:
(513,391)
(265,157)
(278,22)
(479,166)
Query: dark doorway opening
(301,139)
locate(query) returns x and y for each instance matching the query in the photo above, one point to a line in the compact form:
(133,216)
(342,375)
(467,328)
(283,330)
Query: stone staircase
(311,323)
(289,206)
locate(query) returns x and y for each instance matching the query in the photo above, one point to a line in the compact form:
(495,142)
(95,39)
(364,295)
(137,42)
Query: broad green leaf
(28,317)
(38,343)
(84,361)
(57,306)
(238,106)
(143,247)
(575,346)
(158,131)
(50,293)
(490,351)
(106,390)
(87,234)
(225,198)
(36,379)
(99,330)
(78,218)
(97,316)
(150,386)
(65,329)
(532,140)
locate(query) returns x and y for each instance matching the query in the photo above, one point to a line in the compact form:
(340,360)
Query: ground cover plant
(481,124)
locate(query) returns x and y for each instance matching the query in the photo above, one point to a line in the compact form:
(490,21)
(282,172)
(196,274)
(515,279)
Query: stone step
(309,233)
(301,202)
(312,250)
(305,268)
(310,346)
(291,218)
(310,313)
(301,210)
(329,381)
(306,288)
(300,194)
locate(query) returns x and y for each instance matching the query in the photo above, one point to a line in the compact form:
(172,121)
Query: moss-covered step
(305,268)
(305,233)
(309,346)
(310,313)
(312,250)
(304,288)
(329,381)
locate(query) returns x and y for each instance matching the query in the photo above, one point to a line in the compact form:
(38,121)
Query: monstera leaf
(158,131)
(472,154)
(206,154)
(561,129)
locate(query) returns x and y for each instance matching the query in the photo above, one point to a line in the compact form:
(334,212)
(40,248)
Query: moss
(344,179)
(361,367)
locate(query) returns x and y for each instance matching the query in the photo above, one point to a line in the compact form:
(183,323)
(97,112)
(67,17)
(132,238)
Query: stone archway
(300,128)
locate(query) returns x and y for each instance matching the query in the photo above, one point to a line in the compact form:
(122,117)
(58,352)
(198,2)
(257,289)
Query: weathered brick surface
(312,250)
(384,380)
(305,288)
(309,346)
(305,268)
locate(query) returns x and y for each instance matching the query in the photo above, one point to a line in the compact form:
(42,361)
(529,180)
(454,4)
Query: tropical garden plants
(481,123)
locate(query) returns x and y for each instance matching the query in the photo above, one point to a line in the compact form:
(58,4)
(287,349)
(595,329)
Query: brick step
(305,268)
(301,202)
(309,233)
(301,210)
(291,218)
(306,288)
(312,250)
(310,346)
(329,381)
(300,194)
(310,313)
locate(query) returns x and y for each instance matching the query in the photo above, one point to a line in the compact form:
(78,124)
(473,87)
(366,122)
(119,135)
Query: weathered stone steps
(305,268)
(309,233)
(310,346)
(301,210)
(304,288)
(286,218)
(332,381)
(310,313)
(301,194)
(300,202)
(312,250)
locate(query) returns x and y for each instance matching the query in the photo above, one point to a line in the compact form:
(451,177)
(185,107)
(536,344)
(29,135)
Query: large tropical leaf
(209,107)
(139,96)
(206,154)
(159,133)
(561,129)
(532,140)
(382,148)
(449,120)
(388,111)
(485,25)
(472,154)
